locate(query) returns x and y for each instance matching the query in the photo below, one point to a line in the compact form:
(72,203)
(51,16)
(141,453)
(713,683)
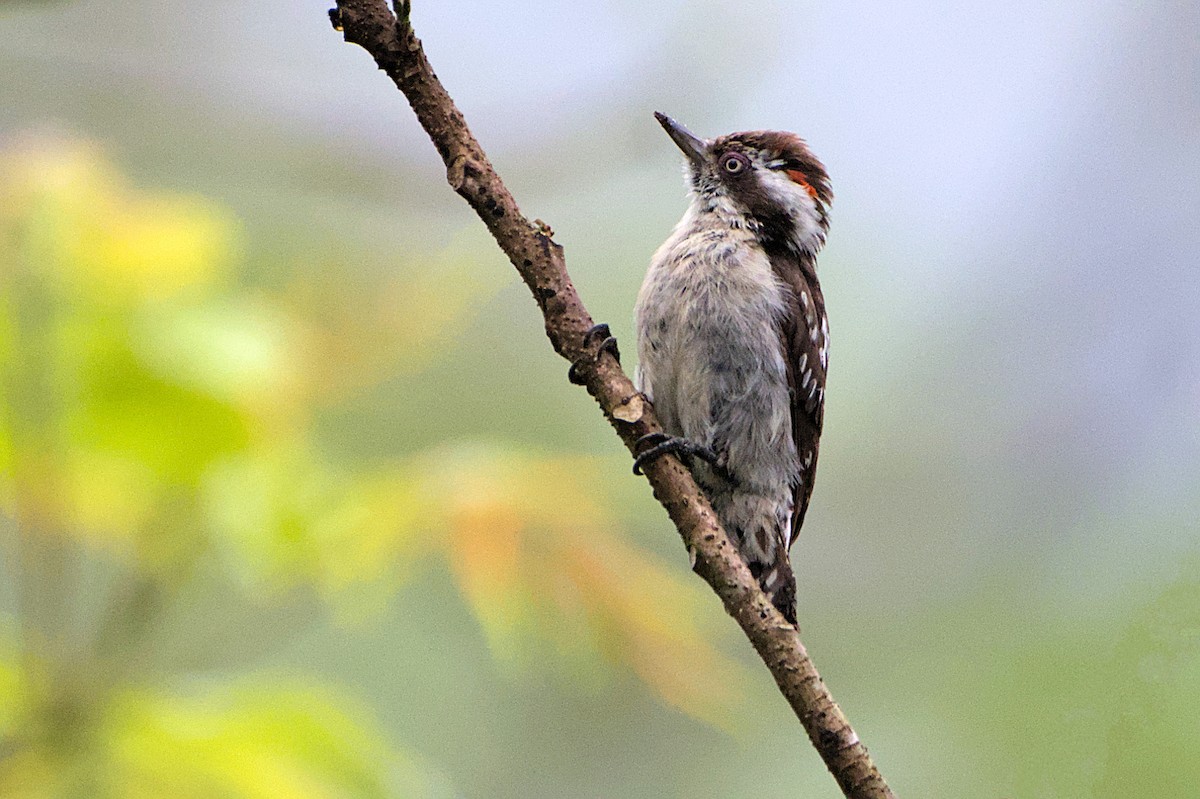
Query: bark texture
(389,38)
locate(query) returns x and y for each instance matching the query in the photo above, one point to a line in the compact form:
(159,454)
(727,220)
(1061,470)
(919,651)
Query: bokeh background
(295,500)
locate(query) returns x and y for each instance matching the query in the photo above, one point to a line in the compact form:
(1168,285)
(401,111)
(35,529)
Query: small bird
(733,341)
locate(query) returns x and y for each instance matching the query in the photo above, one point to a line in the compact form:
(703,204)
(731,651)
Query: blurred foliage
(261,741)
(1113,721)
(990,578)
(530,546)
(1152,698)
(158,410)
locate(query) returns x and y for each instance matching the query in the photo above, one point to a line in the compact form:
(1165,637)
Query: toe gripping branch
(608,344)
(653,446)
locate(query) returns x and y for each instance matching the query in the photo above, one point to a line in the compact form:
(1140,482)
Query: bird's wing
(804,336)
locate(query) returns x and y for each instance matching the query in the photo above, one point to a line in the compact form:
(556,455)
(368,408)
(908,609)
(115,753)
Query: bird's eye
(734,164)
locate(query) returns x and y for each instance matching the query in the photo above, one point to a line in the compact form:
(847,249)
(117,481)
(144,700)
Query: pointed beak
(695,148)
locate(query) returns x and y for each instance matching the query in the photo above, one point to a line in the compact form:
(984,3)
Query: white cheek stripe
(802,207)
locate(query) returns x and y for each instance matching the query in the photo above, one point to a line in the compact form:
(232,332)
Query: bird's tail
(778,582)
(757,523)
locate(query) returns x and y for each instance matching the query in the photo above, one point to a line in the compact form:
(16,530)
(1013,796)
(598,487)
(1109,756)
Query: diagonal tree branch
(390,39)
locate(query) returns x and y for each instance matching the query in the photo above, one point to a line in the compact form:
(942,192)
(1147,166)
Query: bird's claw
(660,444)
(608,344)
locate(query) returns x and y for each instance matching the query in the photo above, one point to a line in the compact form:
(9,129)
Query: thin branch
(390,39)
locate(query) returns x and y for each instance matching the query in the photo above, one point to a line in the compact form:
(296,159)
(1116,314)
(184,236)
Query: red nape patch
(798,177)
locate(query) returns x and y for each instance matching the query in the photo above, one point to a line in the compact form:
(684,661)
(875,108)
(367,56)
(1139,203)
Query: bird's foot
(653,446)
(608,343)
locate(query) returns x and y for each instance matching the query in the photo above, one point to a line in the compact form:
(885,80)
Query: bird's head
(768,180)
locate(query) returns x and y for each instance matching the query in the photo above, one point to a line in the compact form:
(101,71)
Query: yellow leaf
(533,553)
(257,740)
(103,238)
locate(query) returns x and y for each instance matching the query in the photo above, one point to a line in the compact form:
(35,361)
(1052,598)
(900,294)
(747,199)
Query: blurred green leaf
(256,740)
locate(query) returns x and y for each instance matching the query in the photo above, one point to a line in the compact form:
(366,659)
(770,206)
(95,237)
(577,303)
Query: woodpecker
(733,341)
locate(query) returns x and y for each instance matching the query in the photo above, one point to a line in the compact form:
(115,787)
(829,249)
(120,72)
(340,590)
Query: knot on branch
(456,172)
(630,410)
